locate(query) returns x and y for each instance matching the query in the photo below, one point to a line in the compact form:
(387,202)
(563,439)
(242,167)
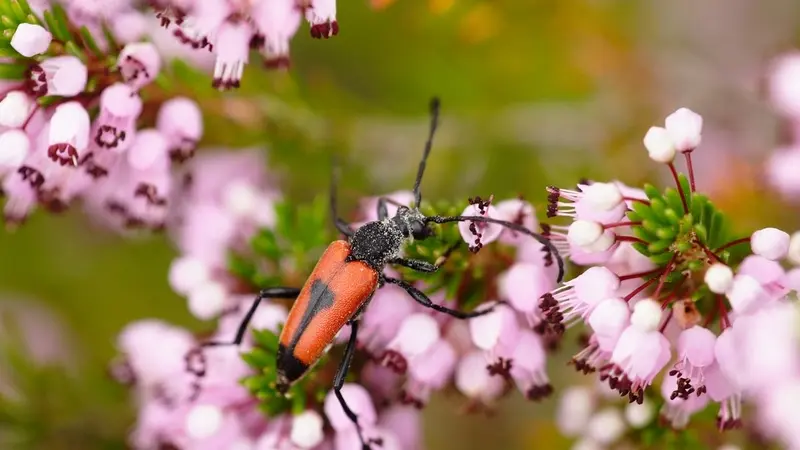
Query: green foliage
(667,228)
(44,405)
(261,384)
(286,254)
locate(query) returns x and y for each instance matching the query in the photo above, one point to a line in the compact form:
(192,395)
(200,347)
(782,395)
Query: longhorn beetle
(346,277)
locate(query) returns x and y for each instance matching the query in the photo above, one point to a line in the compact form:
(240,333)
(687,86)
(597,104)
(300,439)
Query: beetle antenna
(511,225)
(434,107)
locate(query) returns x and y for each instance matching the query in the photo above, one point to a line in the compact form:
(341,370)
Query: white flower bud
(203,421)
(639,415)
(659,145)
(602,196)
(307,429)
(646,315)
(584,233)
(685,127)
(606,426)
(30,40)
(207,300)
(794,248)
(771,243)
(14,109)
(719,278)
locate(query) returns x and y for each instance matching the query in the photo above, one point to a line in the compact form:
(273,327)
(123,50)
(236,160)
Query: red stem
(666,322)
(680,188)
(709,253)
(640,289)
(732,243)
(724,321)
(621,224)
(30,116)
(663,277)
(639,274)
(629,239)
(688,156)
(640,200)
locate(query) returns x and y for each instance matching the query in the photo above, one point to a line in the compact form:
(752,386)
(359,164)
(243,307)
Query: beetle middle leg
(338,382)
(423,300)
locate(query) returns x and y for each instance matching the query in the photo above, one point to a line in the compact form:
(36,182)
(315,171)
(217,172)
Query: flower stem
(709,253)
(666,322)
(642,287)
(664,274)
(724,321)
(633,199)
(639,274)
(629,239)
(621,224)
(732,243)
(680,188)
(688,156)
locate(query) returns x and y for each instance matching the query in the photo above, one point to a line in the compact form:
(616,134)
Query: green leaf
(8,22)
(12,71)
(90,43)
(687,189)
(59,32)
(651,192)
(20,12)
(673,200)
(73,49)
(661,259)
(659,246)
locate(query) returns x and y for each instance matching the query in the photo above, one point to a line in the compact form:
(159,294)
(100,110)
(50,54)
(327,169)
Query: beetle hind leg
(338,382)
(423,300)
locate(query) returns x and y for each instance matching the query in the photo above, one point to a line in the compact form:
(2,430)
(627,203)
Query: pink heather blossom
(20,199)
(277,21)
(30,39)
(417,333)
(474,381)
(64,76)
(233,49)
(428,372)
(721,390)
(608,320)
(528,363)
(596,202)
(784,92)
(695,350)
(405,423)
(677,410)
(746,294)
(575,407)
(321,14)
(497,333)
(381,321)
(478,234)
(15,145)
(640,354)
(139,64)
(15,109)
(576,298)
(780,173)
(520,212)
(120,106)
(69,133)
(522,285)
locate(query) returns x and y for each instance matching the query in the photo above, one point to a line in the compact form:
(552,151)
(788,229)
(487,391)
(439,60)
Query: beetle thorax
(376,243)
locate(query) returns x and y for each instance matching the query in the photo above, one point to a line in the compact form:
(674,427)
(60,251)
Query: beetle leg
(338,381)
(275,292)
(425,266)
(383,212)
(423,300)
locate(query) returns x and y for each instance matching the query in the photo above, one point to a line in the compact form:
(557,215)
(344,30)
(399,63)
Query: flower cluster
(664,273)
(785,96)
(232,29)
(236,235)
(71,124)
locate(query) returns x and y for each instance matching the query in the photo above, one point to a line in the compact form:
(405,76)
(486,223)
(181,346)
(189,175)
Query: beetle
(349,273)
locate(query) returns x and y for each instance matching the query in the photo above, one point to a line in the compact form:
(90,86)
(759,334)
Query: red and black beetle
(348,274)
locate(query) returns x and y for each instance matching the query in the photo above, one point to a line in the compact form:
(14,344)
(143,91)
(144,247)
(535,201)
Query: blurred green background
(534,92)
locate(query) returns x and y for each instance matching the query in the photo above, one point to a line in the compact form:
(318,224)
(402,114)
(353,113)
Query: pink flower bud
(181,122)
(15,109)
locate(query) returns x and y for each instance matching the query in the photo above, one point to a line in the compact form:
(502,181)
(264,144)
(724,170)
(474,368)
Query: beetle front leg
(338,382)
(424,266)
(423,300)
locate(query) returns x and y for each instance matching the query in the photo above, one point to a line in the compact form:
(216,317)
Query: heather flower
(64,76)
(139,63)
(15,108)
